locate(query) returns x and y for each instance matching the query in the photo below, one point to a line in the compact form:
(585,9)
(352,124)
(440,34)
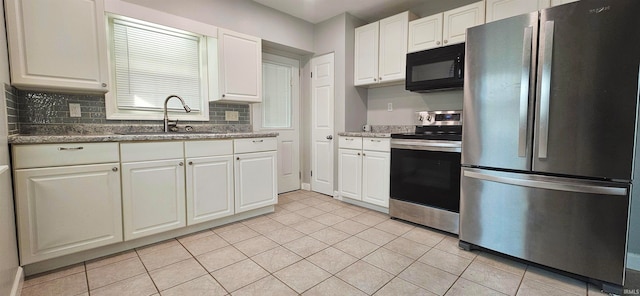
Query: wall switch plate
(74,110)
(389,107)
(231,116)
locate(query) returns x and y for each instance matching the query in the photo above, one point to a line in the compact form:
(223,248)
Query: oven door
(426,177)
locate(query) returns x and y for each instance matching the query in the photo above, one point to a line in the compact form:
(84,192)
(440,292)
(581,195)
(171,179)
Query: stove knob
(429,118)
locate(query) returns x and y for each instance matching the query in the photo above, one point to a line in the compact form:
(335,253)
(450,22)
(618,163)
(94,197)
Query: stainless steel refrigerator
(551,109)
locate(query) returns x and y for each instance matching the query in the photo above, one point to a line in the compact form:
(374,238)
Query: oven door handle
(425,145)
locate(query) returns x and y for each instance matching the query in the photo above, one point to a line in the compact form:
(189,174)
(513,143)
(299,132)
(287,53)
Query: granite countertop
(152,136)
(365,134)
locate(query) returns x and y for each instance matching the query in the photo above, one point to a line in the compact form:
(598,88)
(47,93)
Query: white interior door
(280,112)
(322,129)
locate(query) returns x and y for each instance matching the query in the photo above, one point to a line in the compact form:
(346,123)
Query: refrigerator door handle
(524,91)
(551,185)
(545,90)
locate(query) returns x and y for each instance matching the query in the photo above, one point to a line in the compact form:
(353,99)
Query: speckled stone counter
(39,139)
(365,134)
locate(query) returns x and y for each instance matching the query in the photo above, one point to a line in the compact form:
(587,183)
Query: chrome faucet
(167,123)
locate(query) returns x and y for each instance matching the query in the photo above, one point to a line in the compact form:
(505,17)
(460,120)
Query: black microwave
(435,69)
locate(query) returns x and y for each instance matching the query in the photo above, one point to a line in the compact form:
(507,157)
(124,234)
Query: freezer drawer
(576,226)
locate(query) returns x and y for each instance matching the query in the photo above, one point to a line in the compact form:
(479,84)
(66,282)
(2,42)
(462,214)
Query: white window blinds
(152,63)
(276,92)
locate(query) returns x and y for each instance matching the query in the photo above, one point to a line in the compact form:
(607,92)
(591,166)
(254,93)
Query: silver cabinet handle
(524,91)
(545,90)
(437,42)
(191,163)
(358,153)
(70,148)
(181,163)
(223,95)
(329,137)
(374,79)
(115,169)
(258,141)
(375,141)
(364,154)
(104,84)
(445,42)
(380,78)
(349,139)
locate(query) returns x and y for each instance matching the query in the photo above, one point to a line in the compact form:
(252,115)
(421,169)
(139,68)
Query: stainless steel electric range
(425,171)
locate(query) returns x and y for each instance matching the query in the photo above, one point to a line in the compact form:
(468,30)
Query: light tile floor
(311,245)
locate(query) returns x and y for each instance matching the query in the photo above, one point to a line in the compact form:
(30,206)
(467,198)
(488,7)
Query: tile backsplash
(29,110)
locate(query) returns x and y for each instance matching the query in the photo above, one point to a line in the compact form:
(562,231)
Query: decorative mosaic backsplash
(46,112)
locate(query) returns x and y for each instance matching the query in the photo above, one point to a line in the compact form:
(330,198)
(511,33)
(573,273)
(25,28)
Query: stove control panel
(439,117)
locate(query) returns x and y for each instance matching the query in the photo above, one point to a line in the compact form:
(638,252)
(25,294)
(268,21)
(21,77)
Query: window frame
(113,112)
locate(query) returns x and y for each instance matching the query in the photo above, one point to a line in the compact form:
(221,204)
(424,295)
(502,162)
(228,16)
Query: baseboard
(633,261)
(16,290)
(306,186)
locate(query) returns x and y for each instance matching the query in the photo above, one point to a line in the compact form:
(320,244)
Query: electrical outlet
(389,107)
(74,110)
(231,115)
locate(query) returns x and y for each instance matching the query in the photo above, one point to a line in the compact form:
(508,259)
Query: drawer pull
(115,169)
(377,141)
(181,163)
(349,139)
(237,158)
(258,141)
(70,148)
(191,163)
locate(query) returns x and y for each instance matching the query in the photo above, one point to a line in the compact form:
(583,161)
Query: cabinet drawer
(150,151)
(208,148)
(254,145)
(376,144)
(350,142)
(50,155)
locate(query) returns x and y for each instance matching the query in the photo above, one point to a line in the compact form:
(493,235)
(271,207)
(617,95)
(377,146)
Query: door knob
(329,137)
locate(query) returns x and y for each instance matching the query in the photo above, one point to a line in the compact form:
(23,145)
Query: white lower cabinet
(153,192)
(256,185)
(67,208)
(364,169)
(209,180)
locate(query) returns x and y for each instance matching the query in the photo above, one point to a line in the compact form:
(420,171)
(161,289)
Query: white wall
(244,16)
(8,243)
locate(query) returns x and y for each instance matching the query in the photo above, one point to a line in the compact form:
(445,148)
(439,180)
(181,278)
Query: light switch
(231,115)
(74,110)
(389,107)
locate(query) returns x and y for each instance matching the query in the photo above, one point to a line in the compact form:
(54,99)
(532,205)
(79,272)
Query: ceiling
(316,11)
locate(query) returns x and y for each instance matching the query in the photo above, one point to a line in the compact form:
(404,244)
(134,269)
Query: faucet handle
(172,125)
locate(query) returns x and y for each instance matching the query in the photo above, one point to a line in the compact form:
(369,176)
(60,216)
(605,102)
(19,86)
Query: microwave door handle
(524,91)
(545,90)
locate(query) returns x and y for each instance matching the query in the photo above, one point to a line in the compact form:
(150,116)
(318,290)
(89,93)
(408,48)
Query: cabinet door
(350,173)
(153,197)
(57,44)
(392,57)
(376,171)
(560,2)
(240,67)
(366,54)
(501,9)
(64,210)
(209,188)
(425,33)
(456,22)
(255,180)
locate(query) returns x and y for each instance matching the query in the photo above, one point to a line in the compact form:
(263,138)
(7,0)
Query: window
(150,62)
(276,92)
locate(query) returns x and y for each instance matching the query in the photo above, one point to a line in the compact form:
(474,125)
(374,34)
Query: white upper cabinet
(501,9)
(425,33)
(442,29)
(380,50)
(456,22)
(366,54)
(560,2)
(57,44)
(240,68)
